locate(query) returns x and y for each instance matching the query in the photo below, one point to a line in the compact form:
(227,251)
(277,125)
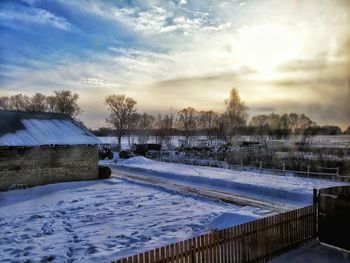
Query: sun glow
(265,47)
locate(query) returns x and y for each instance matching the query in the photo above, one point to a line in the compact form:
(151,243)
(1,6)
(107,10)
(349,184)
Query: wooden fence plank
(162,254)
(207,249)
(157,255)
(186,251)
(256,241)
(167,254)
(182,258)
(190,251)
(210,244)
(172,252)
(151,256)
(194,250)
(215,245)
(177,252)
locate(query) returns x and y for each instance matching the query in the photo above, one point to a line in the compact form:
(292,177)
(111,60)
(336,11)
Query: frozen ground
(97,221)
(283,190)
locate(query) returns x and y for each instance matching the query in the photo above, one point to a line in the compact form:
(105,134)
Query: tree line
(126,121)
(61,101)
(188,121)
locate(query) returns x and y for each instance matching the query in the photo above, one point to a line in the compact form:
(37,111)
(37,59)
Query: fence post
(315,203)
(260,166)
(308,171)
(241,164)
(337,173)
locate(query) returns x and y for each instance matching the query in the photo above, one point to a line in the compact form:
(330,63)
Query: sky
(282,56)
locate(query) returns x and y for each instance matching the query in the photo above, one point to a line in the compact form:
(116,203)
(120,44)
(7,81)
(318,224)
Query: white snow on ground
(294,191)
(98,221)
(225,220)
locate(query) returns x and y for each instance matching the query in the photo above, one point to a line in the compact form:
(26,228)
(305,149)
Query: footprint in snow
(69,253)
(46,229)
(91,249)
(48,258)
(33,217)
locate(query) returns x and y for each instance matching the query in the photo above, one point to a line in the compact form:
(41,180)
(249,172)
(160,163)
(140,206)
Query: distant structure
(41,148)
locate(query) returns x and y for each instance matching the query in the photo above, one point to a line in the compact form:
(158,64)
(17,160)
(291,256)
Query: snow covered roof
(42,128)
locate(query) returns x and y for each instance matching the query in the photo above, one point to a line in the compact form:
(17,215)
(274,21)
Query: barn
(41,148)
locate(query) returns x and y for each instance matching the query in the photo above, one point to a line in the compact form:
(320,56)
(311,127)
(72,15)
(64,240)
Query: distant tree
(187,121)
(236,113)
(5,103)
(293,120)
(260,123)
(63,101)
(304,122)
(206,122)
(121,108)
(146,122)
(66,102)
(259,126)
(38,102)
(347,131)
(132,124)
(20,102)
(51,103)
(273,121)
(220,124)
(164,125)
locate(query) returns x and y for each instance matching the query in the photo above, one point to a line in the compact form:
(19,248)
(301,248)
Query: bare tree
(20,102)
(121,109)
(38,102)
(206,122)
(51,103)
(145,123)
(220,124)
(131,125)
(164,125)
(5,103)
(347,131)
(66,102)
(236,113)
(261,126)
(274,121)
(187,121)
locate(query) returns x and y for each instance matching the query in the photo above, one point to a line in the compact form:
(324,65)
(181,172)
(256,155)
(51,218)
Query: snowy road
(286,192)
(140,176)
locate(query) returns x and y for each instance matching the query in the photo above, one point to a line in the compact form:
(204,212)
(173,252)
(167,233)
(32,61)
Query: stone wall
(44,165)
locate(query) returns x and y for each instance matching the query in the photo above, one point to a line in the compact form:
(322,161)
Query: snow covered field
(319,140)
(287,191)
(97,221)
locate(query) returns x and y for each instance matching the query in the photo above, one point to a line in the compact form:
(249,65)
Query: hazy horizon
(282,56)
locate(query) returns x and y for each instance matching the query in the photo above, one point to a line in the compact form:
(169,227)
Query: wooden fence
(256,241)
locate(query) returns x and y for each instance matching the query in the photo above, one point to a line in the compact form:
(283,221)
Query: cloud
(17,16)
(182,53)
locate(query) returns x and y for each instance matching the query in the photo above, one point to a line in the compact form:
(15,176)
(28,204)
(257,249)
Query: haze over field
(283,56)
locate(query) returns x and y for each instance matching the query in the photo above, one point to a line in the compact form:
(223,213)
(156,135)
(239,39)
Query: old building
(41,148)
